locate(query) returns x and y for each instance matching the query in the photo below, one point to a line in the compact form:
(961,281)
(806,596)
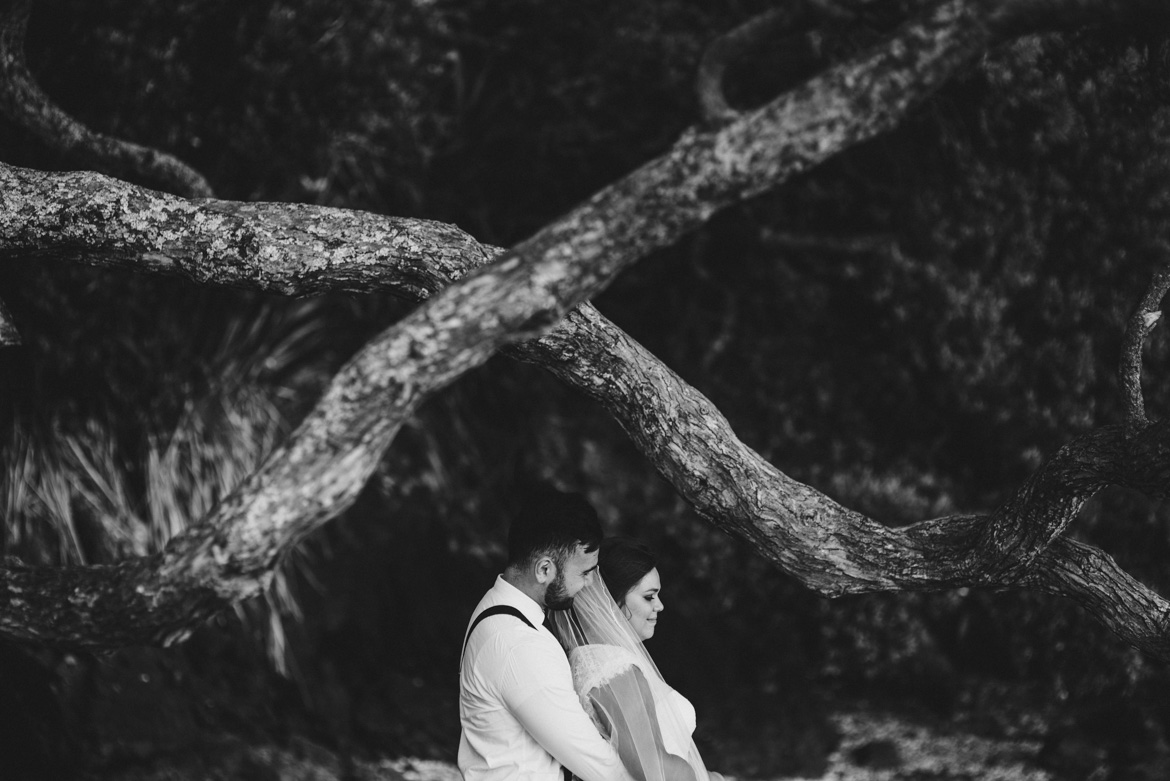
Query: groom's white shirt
(521,718)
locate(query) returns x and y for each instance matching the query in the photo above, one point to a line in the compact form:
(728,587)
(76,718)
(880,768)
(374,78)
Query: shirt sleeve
(551,713)
(567,733)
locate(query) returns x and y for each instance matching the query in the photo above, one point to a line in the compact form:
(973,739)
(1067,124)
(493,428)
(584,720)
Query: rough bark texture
(515,296)
(24,103)
(1094,581)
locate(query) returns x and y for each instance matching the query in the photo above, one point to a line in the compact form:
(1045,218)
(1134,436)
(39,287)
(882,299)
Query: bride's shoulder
(594,664)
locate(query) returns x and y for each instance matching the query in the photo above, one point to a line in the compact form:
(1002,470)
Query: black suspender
(495,610)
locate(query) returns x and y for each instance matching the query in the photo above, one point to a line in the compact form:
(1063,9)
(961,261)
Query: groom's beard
(557,597)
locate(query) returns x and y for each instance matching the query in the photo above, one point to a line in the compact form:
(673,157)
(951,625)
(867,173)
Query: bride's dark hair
(623,562)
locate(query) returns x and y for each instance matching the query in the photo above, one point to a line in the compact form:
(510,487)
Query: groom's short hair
(552,522)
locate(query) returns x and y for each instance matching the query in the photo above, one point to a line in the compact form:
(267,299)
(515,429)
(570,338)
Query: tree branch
(741,41)
(1051,499)
(827,547)
(734,45)
(89,599)
(291,249)
(1141,322)
(26,105)
(1093,580)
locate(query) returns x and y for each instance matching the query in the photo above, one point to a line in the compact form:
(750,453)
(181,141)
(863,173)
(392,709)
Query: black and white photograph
(608,390)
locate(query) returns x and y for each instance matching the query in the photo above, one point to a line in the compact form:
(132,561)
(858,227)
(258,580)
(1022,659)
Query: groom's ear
(545,570)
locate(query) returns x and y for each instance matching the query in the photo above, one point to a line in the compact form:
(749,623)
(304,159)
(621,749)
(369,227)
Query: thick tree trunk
(504,298)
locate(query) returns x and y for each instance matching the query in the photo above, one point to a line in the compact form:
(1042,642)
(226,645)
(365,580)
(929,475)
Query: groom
(521,719)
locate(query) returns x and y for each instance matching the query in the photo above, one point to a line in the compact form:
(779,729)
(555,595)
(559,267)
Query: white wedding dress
(595,666)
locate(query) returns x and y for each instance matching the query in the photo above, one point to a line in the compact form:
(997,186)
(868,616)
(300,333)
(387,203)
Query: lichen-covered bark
(291,249)
(515,296)
(24,103)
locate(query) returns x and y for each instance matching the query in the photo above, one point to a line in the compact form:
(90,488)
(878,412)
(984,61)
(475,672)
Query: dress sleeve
(625,704)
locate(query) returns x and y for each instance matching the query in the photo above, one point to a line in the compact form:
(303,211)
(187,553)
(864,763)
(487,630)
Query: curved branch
(1141,322)
(1053,496)
(739,42)
(25,104)
(829,548)
(1093,580)
(731,46)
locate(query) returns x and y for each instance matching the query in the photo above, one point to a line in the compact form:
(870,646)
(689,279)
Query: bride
(649,723)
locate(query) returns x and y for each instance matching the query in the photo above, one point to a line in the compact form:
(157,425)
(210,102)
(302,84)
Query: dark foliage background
(912,328)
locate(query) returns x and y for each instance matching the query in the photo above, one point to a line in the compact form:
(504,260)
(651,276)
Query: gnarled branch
(24,102)
(1093,580)
(827,547)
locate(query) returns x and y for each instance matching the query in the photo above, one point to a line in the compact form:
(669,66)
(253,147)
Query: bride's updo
(623,562)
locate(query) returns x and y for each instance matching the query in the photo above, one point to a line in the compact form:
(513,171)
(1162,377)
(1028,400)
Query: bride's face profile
(643,603)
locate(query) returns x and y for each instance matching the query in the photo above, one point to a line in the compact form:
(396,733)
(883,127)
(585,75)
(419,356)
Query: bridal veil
(648,722)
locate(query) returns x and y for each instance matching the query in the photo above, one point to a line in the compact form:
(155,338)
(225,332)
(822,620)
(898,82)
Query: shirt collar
(513,596)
